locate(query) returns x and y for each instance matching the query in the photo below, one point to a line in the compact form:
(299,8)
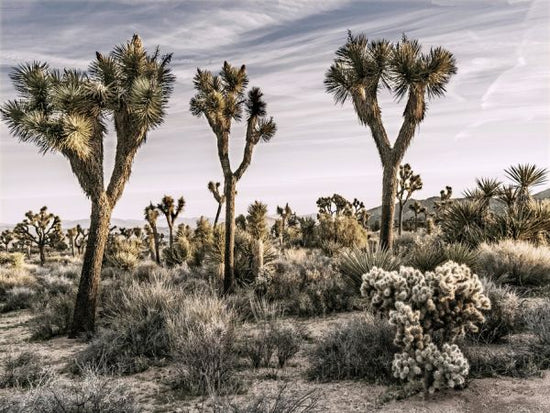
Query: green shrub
(354,263)
(359,349)
(17,298)
(23,370)
(123,253)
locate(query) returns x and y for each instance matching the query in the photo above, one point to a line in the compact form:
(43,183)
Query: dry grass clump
(53,315)
(203,344)
(23,370)
(17,298)
(427,256)
(15,277)
(502,319)
(12,259)
(501,360)
(515,262)
(91,395)
(360,349)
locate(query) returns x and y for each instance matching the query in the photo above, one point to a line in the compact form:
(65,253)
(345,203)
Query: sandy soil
(499,395)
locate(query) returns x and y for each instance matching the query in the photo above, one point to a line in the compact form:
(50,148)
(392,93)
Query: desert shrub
(53,315)
(271,340)
(17,298)
(537,321)
(501,319)
(501,360)
(284,401)
(146,271)
(23,370)
(123,253)
(362,348)
(137,330)
(426,256)
(344,231)
(15,277)
(92,395)
(461,254)
(203,344)
(12,259)
(430,311)
(466,222)
(354,263)
(179,253)
(515,262)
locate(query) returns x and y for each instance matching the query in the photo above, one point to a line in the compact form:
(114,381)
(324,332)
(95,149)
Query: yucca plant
(486,189)
(361,69)
(524,177)
(221,99)
(356,262)
(465,222)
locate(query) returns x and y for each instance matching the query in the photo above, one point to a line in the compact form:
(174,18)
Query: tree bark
(400,218)
(86,300)
(156,243)
(229,254)
(218,214)
(42,255)
(171,233)
(389,189)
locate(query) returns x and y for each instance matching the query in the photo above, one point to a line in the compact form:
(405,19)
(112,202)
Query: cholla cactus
(445,303)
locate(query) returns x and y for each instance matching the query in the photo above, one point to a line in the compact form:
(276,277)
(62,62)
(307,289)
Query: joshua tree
(256,221)
(151,216)
(203,236)
(221,100)
(407,184)
(360,69)
(308,227)
(66,112)
(41,229)
(214,188)
(444,200)
(71,235)
(171,211)
(417,208)
(285,213)
(6,237)
(524,177)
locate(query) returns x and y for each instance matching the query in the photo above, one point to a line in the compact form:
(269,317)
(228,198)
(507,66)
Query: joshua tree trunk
(42,254)
(258,257)
(84,314)
(229,255)
(415,221)
(389,189)
(400,217)
(218,214)
(171,235)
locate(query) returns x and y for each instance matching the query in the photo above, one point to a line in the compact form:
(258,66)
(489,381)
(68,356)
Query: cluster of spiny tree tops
(67,111)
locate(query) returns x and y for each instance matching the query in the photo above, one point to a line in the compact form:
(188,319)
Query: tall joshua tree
(42,229)
(360,69)
(171,210)
(66,112)
(214,188)
(221,99)
(407,184)
(151,216)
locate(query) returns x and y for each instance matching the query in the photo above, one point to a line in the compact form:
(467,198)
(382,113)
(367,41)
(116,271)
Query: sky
(496,112)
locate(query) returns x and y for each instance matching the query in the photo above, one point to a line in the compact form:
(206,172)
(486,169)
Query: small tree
(171,211)
(203,236)
(6,237)
(417,208)
(285,213)
(407,184)
(80,238)
(221,100)
(42,229)
(308,230)
(71,235)
(151,216)
(256,225)
(360,70)
(214,189)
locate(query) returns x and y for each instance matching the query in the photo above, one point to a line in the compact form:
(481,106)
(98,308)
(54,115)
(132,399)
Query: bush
(12,259)
(15,277)
(272,339)
(202,339)
(24,370)
(429,255)
(354,263)
(500,320)
(123,253)
(515,262)
(92,395)
(537,321)
(137,329)
(503,360)
(360,349)
(17,298)
(54,315)
(429,311)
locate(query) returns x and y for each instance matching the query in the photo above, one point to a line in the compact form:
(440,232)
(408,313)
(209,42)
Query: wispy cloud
(496,111)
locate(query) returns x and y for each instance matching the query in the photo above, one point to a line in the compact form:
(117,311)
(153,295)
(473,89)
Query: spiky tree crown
(42,228)
(256,220)
(169,207)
